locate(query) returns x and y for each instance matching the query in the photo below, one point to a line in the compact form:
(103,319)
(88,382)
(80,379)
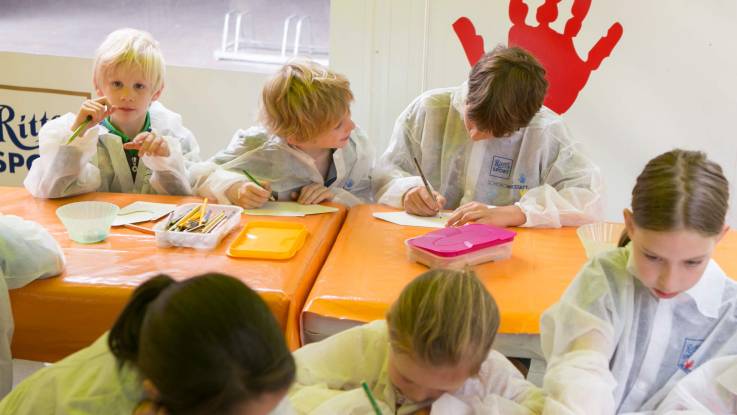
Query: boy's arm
(169,174)
(571,193)
(395,173)
(215,176)
(64,169)
(327,369)
(578,339)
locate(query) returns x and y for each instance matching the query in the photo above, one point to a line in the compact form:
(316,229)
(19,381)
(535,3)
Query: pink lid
(449,242)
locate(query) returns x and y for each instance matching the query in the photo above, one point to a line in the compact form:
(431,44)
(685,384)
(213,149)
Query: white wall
(670,81)
(213,103)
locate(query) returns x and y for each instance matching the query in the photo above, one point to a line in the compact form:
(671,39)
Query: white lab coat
(610,337)
(538,168)
(27,252)
(271,158)
(87,382)
(710,389)
(96,162)
(330,372)
(6,337)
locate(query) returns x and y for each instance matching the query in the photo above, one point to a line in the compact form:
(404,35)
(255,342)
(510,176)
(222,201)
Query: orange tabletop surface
(368,267)
(57,316)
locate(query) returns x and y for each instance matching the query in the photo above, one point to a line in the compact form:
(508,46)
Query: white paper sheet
(289,209)
(142,212)
(405,219)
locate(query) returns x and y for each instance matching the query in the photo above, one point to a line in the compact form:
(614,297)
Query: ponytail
(125,334)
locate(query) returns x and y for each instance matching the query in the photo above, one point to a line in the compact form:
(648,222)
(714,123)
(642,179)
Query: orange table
(57,316)
(368,267)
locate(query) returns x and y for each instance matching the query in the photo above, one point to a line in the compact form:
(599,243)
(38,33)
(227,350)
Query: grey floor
(188,31)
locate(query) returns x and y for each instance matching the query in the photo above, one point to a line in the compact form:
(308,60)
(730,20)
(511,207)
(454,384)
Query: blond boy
(308,148)
(127,142)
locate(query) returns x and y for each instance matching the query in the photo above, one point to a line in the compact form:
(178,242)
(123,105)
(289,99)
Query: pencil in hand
(425,182)
(79,129)
(253,179)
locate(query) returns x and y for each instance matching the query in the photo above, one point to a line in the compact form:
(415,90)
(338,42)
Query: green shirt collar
(113,129)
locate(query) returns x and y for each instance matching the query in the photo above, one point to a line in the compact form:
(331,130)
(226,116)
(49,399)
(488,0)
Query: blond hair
(443,318)
(304,99)
(126,47)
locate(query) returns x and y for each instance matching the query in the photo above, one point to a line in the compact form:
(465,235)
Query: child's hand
(313,194)
(481,213)
(148,144)
(418,202)
(249,195)
(96,109)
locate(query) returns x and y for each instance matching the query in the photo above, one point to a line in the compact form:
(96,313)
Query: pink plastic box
(455,248)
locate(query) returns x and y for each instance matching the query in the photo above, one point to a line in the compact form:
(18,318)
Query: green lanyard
(130,155)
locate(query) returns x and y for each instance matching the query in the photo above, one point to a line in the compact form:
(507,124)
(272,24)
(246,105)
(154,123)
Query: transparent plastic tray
(196,240)
(492,253)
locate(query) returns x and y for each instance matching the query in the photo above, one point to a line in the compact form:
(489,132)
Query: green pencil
(371,398)
(79,128)
(253,179)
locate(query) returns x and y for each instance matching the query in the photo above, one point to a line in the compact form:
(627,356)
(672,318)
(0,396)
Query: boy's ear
(97,87)
(157,94)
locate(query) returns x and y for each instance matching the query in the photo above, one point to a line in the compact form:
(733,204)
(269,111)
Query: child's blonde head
(130,47)
(443,318)
(680,190)
(304,99)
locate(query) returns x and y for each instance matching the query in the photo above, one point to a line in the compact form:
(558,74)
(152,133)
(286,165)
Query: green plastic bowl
(87,222)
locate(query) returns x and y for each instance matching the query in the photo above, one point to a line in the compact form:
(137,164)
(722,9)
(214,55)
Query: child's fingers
(441,200)
(427,200)
(416,206)
(146,144)
(318,195)
(102,100)
(256,190)
(250,201)
(306,194)
(163,150)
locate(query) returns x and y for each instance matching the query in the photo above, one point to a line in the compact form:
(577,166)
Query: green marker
(253,179)
(371,398)
(79,128)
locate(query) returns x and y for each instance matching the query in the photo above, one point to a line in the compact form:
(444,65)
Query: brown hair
(506,88)
(304,99)
(444,317)
(680,190)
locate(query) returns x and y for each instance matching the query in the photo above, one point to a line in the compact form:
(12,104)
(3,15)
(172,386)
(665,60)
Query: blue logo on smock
(348,184)
(690,346)
(501,167)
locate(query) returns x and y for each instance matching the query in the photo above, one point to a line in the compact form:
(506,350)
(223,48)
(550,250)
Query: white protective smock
(330,372)
(96,162)
(610,337)
(710,389)
(538,168)
(269,157)
(6,337)
(87,382)
(27,252)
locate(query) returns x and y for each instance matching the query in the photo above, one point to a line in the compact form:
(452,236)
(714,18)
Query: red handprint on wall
(567,73)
